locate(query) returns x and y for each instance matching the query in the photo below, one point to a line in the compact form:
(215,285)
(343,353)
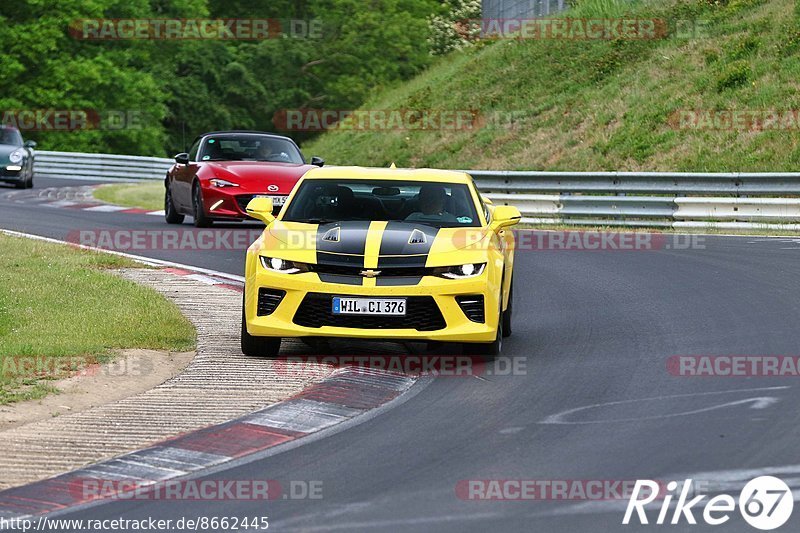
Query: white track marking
(758,403)
(106,208)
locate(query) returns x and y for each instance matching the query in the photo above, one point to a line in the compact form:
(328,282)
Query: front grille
(244,199)
(422,314)
(268,300)
(339,270)
(473,307)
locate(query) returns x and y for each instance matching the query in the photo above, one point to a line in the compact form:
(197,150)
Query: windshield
(431,203)
(10,136)
(250,147)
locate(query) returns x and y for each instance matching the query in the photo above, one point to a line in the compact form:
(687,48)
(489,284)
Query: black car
(16,158)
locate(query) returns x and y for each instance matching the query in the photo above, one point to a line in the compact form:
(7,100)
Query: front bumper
(11,176)
(457,327)
(230,202)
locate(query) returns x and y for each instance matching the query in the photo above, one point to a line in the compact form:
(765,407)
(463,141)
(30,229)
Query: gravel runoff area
(219,384)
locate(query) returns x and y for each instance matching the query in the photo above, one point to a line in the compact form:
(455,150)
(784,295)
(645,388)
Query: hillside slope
(607,105)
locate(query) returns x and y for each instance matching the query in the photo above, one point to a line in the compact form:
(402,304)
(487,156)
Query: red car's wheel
(170,213)
(201,220)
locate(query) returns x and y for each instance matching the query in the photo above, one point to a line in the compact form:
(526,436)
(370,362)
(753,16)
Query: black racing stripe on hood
(338,260)
(349,249)
(352,237)
(395,242)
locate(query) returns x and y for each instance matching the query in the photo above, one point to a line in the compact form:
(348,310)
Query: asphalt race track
(593,329)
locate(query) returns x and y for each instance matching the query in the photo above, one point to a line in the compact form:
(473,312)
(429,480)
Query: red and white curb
(348,393)
(102,208)
(79,198)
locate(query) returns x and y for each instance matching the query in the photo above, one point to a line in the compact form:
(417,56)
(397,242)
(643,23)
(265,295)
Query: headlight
(216,182)
(16,156)
(470,270)
(282,265)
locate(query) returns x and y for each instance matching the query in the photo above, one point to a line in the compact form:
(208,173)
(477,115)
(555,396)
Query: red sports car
(224,170)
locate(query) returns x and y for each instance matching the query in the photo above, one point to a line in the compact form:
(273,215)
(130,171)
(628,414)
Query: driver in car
(266,152)
(432,199)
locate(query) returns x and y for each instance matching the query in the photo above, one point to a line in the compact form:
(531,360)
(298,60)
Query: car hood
(356,243)
(257,176)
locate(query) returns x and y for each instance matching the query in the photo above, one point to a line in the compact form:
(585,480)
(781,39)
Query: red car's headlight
(216,182)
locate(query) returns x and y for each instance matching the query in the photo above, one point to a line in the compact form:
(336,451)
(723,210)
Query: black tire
(486,351)
(171,214)
(23,184)
(29,181)
(509,312)
(201,220)
(268,347)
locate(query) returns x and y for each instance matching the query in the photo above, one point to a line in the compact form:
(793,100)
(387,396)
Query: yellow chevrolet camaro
(381,254)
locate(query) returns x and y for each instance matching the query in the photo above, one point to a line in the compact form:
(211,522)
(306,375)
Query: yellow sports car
(381,254)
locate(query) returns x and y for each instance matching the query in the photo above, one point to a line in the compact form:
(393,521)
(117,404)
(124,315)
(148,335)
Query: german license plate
(276,200)
(369,306)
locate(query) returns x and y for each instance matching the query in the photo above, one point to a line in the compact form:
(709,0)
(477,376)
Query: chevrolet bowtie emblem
(370,273)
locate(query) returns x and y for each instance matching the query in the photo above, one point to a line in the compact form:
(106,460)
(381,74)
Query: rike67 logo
(766,503)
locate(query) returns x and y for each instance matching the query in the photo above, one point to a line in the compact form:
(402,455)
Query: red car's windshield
(250,147)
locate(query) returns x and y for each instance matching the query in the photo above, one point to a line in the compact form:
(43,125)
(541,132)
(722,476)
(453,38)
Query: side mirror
(182,158)
(261,209)
(29,144)
(317,161)
(505,216)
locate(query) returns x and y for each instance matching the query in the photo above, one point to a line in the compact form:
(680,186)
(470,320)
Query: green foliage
(603,105)
(742,47)
(735,74)
(455,27)
(174,90)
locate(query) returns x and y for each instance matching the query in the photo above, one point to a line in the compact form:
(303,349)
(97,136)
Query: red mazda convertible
(224,170)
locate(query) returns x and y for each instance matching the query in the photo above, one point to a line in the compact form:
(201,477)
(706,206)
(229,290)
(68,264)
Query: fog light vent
(472,307)
(268,300)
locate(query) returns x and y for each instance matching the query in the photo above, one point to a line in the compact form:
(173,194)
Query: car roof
(234,132)
(400,174)
(227,132)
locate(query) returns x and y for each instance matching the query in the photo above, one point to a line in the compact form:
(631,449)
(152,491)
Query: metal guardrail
(509,9)
(649,199)
(625,199)
(76,165)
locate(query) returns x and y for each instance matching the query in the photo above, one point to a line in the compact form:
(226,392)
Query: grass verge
(58,306)
(588,105)
(148,195)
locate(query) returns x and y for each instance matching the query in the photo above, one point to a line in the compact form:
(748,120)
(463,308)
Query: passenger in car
(432,202)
